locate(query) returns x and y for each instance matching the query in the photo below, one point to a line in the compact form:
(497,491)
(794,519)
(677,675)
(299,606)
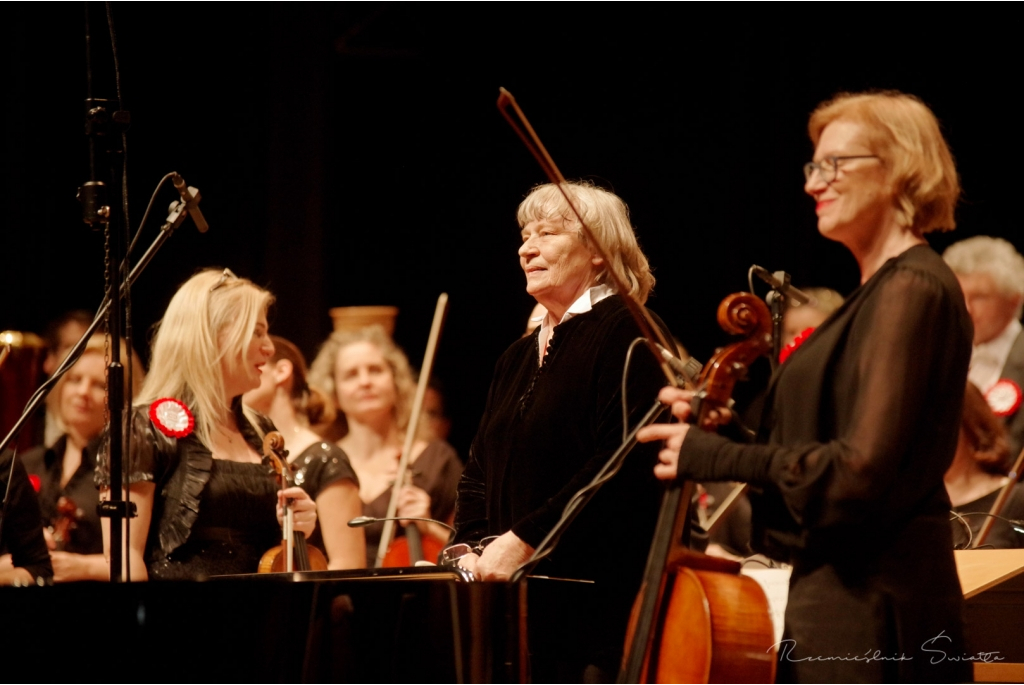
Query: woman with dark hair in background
(322,468)
(978,473)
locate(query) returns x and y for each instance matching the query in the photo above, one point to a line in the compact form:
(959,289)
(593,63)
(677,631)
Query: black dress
(861,425)
(318,466)
(210,516)
(545,433)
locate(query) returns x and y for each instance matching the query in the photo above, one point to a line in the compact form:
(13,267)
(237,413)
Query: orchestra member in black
(861,420)
(977,476)
(24,558)
(196,471)
(554,415)
(66,470)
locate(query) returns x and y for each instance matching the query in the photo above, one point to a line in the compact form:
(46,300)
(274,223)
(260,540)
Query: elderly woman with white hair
(554,415)
(206,500)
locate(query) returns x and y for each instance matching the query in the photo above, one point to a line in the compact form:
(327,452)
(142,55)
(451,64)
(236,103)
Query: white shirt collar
(583,304)
(988,359)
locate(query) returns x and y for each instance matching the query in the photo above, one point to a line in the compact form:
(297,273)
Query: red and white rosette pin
(1004,397)
(797,342)
(172,417)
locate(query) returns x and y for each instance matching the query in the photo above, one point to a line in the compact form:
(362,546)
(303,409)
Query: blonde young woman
(372,383)
(322,468)
(206,502)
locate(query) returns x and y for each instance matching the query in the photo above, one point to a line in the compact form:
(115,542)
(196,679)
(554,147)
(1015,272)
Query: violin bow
(652,333)
(410,432)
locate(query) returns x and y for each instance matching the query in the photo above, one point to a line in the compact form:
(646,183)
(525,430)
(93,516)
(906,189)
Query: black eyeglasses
(829,167)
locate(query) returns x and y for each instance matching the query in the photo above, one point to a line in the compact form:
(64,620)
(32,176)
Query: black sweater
(546,432)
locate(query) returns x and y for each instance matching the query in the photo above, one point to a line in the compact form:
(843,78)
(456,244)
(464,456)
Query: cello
(293,554)
(697,619)
(685,595)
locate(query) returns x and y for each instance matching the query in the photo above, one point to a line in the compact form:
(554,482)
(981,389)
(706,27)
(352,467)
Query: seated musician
(206,501)
(66,471)
(370,380)
(554,415)
(861,420)
(23,555)
(322,468)
(978,474)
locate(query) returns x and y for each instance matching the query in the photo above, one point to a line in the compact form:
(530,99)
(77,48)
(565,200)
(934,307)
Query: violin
(293,554)
(68,516)
(413,548)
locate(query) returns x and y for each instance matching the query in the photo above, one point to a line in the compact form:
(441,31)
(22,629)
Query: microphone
(780,281)
(688,370)
(190,196)
(360,521)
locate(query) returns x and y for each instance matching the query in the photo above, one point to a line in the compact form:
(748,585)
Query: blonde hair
(212,317)
(321,373)
(307,400)
(906,136)
(97,344)
(607,216)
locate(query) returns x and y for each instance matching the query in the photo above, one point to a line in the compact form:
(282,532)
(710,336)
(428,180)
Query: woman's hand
(674,433)
(303,506)
(470,562)
(68,567)
(413,501)
(501,558)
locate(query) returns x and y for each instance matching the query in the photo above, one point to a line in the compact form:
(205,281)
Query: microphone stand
(174,220)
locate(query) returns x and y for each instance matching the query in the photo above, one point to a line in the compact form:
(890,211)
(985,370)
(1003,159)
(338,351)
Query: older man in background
(991,274)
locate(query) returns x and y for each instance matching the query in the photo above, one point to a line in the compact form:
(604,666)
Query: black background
(352,154)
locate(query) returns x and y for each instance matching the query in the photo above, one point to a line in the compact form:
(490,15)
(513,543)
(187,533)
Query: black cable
(1016,525)
(145,216)
(568,510)
(625,377)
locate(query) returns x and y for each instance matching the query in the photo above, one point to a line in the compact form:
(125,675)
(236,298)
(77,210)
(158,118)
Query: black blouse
(545,433)
(861,424)
(86,535)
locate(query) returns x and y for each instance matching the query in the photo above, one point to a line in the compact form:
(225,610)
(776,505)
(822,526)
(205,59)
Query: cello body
(716,628)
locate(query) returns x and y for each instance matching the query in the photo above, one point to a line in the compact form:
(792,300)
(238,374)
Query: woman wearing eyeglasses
(861,420)
(206,500)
